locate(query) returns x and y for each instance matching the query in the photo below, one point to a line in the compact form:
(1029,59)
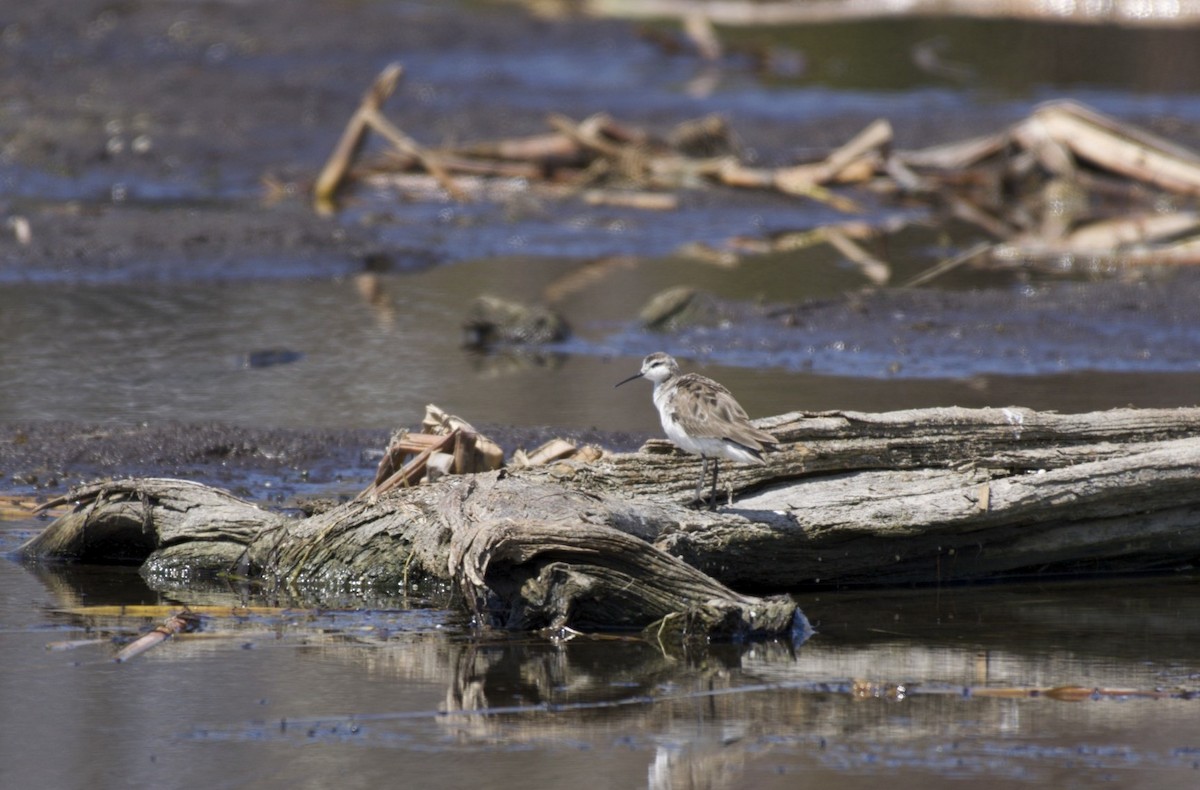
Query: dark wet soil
(276,465)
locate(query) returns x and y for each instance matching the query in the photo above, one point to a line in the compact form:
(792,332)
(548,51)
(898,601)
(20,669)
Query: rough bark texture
(934,495)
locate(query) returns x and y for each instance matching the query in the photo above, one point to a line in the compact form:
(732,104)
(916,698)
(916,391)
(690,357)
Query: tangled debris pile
(1065,181)
(449,445)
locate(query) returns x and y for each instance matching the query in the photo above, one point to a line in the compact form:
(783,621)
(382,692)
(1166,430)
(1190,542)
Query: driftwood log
(925,496)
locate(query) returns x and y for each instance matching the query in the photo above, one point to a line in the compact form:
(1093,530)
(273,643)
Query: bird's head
(657,367)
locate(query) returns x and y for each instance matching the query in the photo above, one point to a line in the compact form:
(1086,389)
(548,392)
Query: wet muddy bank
(1030,328)
(278,465)
(139,137)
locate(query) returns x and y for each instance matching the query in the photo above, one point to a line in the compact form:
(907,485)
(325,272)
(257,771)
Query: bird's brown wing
(706,409)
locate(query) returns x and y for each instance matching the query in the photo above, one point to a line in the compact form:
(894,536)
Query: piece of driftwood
(183,622)
(923,496)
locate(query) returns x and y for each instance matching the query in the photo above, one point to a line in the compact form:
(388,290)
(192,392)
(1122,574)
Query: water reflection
(372,352)
(908,684)
(903,54)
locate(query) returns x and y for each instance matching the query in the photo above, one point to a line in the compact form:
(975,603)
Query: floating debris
(184,622)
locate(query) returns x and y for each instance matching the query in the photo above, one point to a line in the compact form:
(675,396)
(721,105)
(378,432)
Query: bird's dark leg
(700,482)
(712,497)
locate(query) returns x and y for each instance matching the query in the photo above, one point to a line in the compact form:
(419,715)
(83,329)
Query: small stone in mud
(269,357)
(679,307)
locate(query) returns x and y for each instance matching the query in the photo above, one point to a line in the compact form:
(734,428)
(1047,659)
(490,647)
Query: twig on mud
(872,268)
(648,201)
(857,160)
(406,145)
(948,265)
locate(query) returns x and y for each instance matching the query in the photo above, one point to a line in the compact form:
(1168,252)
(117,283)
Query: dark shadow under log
(927,496)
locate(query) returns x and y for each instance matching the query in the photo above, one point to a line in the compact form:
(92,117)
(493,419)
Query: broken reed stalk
(871,267)
(411,472)
(1120,147)
(369,117)
(354,135)
(949,264)
(406,145)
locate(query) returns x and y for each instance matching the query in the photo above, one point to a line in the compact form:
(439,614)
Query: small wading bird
(701,417)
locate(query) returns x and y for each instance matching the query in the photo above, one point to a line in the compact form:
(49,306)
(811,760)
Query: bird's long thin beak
(626,381)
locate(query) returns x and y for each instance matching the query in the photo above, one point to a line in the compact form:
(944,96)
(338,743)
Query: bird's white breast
(709,446)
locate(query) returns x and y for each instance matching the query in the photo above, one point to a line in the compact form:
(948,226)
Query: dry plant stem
(537,148)
(647,201)
(584,134)
(700,31)
(348,146)
(1121,147)
(872,268)
(452,163)
(412,471)
(406,145)
(948,265)
(871,141)
(367,117)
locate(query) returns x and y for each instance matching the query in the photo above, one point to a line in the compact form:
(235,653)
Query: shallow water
(894,683)
(372,351)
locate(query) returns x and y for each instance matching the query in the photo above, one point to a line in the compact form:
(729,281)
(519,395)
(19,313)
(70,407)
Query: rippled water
(371,352)
(934,686)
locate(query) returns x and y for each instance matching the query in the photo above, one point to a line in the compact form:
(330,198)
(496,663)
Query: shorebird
(701,417)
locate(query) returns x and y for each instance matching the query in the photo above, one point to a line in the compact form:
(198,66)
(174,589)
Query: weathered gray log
(532,575)
(918,496)
(127,521)
(555,568)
